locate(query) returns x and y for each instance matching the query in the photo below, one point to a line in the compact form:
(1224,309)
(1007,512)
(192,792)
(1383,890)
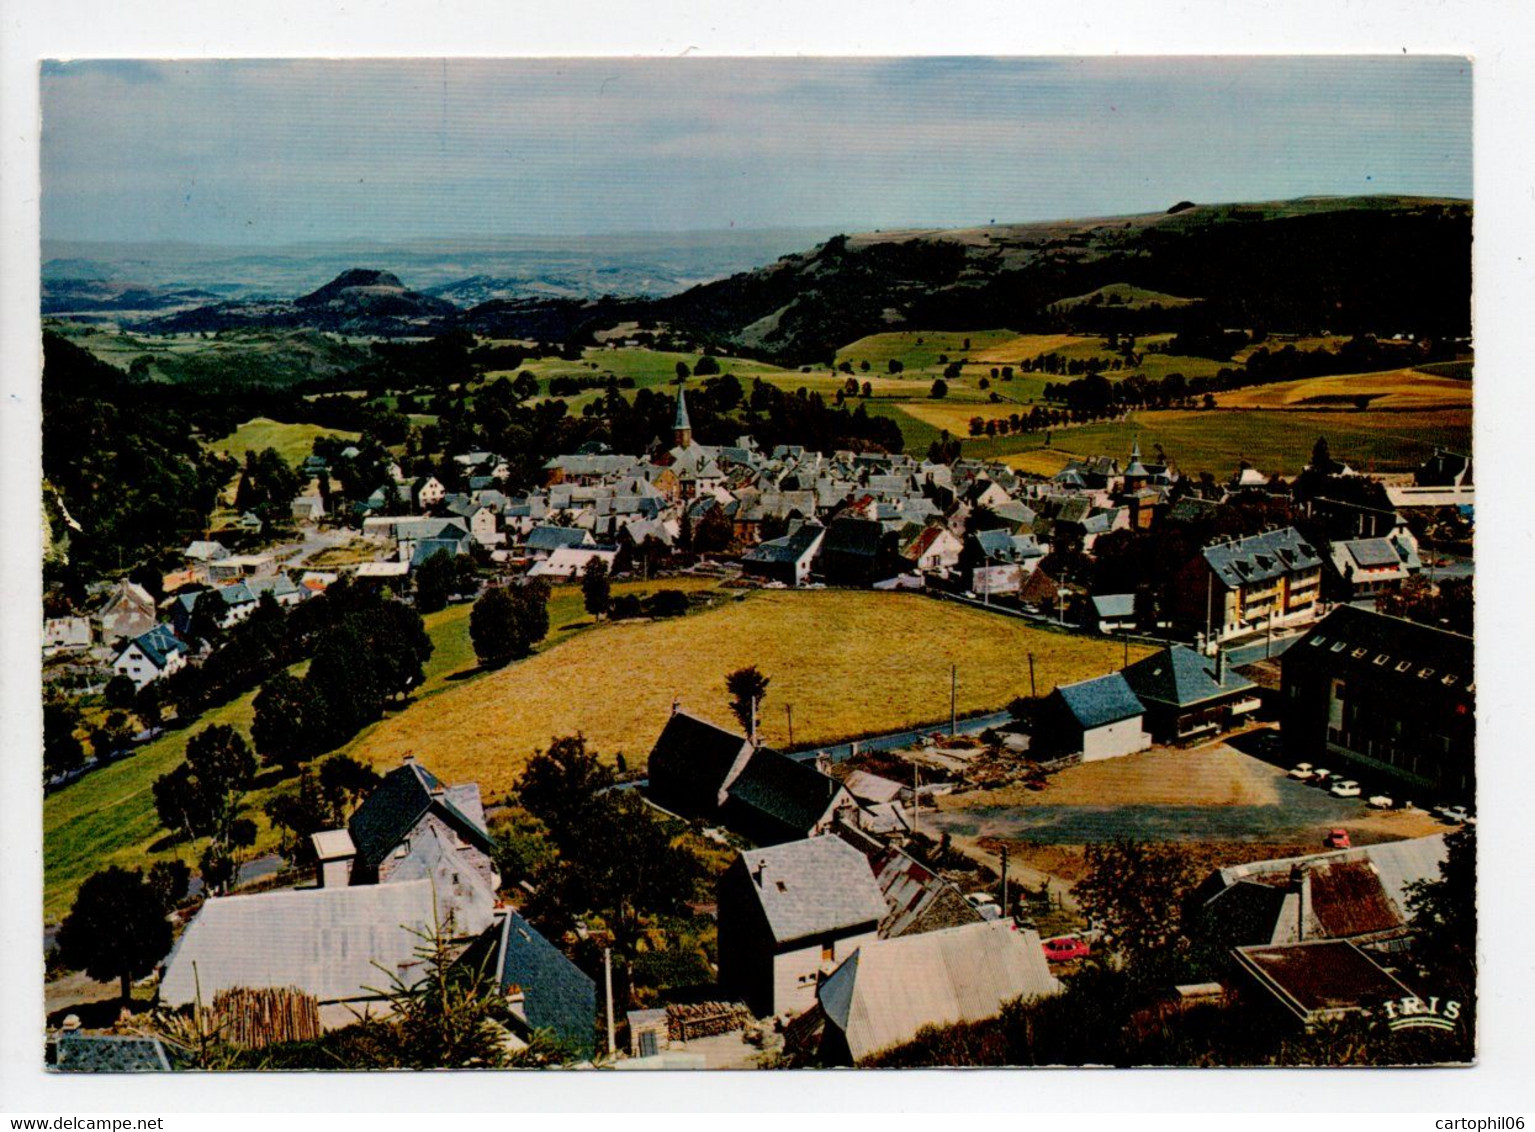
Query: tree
(940,388)
(112,736)
(595,587)
(1321,457)
(560,786)
(1443,911)
(747,688)
(1135,890)
(201,797)
(434,579)
(507,622)
(300,814)
(170,881)
(525,386)
(682,371)
(116,929)
(707,365)
(713,533)
(345,782)
(287,724)
(62,749)
(894,365)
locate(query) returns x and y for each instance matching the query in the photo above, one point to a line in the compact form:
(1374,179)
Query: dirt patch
(1210,776)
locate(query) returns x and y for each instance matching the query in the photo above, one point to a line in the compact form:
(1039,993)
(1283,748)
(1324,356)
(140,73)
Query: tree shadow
(169,841)
(98,1015)
(273,775)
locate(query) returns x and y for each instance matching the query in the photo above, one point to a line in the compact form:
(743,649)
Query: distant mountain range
(1382,265)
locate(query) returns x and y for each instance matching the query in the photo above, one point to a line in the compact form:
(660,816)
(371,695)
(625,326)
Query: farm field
(889,669)
(1124,296)
(108,817)
(1273,441)
(1392,389)
(919,349)
(292,441)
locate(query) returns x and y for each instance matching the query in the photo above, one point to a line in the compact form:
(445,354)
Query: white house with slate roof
(1101,718)
(151,655)
(411,808)
(791,913)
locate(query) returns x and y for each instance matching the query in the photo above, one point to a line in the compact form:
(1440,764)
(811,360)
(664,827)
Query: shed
(1101,718)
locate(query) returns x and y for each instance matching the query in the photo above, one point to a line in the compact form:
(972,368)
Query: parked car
(1455,815)
(1337,839)
(1302,771)
(1347,788)
(1065,948)
(1320,776)
(1381,802)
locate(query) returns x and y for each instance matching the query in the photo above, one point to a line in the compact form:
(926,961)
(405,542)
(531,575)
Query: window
(828,950)
(1339,646)
(1404,666)
(1359,654)
(1381,659)
(1425,673)
(1318,640)
(404,848)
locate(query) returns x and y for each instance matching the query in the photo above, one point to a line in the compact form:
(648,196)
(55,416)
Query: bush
(667,603)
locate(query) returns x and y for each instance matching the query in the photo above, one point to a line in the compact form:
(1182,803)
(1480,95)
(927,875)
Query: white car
(1301,772)
(1346,789)
(1320,776)
(1455,815)
(1381,802)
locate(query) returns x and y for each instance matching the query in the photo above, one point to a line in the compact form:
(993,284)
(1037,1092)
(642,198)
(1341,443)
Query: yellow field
(955,415)
(1391,389)
(1020,346)
(848,662)
(1039,462)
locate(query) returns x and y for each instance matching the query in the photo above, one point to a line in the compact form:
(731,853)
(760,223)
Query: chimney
(409,759)
(1300,884)
(757,871)
(1220,664)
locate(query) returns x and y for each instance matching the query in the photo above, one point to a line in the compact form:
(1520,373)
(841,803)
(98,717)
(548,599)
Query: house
(234,567)
(1358,894)
(692,763)
(541,542)
(333,855)
(1387,697)
(787,559)
(789,914)
(65,634)
(343,946)
(852,553)
(542,989)
(889,989)
(409,804)
(127,611)
(1238,586)
(1101,718)
(1369,565)
(249,523)
(1444,469)
(1318,981)
(916,898)
(572,561)
(152,655)
(1187,694)
(1111,613)
(934,548)
(308,508)
(997,561)
(774,798)
(1039,591)
(428,492)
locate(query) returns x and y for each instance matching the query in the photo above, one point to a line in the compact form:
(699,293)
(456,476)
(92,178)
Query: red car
(1337,839)
(1065,948)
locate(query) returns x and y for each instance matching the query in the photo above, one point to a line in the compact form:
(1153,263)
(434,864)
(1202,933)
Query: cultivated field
(919,349)
(1273,441)
(1392,389)
(848,663)
(292,441)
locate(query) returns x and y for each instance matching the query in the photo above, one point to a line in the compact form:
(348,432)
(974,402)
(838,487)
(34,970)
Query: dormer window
(1425,673)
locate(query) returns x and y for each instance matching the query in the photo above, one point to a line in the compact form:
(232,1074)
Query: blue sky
(273,152)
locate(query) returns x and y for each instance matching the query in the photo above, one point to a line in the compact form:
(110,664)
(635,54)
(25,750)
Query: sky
(273,152)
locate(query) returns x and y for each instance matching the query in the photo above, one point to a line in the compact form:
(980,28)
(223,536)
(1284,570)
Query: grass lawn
(848,662)
(1274,441)
(919,349)
(108,817)
(292,441)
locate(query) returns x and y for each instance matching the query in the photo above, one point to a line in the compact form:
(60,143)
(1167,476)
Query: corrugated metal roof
(812,887)
(889,989)
(323,941)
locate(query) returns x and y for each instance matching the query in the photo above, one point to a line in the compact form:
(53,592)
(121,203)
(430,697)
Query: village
(1293,704)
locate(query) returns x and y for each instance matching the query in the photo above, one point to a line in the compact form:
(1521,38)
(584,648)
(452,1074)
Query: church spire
(682,428)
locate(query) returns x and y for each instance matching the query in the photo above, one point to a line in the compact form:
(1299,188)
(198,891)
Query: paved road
(1256,650)
(895,740)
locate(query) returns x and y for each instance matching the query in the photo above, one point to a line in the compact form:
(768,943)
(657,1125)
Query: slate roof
(1261,557)
(553,538)
(159,644)
(558,995)
(889,989)
(776,798)
(680,421)
(110,1053)
(1112,606)
(397,803)
(788,549)
(1098,702)
(428,547)
(1180,676)
(1373,553)
(813,887)
(323,941)
(847,535)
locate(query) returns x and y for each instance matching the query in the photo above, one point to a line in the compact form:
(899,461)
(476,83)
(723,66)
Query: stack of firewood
(704,1019)
(256,1018)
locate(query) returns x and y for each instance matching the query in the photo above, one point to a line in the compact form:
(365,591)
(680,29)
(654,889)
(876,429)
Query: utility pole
(789,711)
(916,798)
(1032,693)
(1004,880)
(953,700)
(753,735)
(607,982)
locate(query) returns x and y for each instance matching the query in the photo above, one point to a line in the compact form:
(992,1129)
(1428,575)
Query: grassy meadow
(108,817)
(292,441)
(848,663)
(1392,389)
